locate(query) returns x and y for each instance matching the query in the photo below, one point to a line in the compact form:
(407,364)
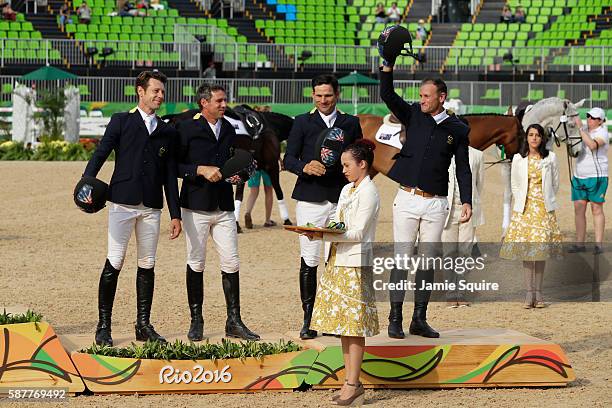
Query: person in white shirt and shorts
(590,180)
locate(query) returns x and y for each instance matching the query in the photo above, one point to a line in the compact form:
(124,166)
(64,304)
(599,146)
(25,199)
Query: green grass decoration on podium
(179,350)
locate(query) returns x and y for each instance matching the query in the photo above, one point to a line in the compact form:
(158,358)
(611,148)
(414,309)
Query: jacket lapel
(224,131)
(203,124)
(316,118)
(161,125)
(340,118)
(138,120)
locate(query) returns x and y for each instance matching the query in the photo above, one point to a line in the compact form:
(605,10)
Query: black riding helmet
(90,194)
(239,167)
(329,145)
(391,42)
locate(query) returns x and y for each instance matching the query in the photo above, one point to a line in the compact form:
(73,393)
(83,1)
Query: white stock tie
(149,124)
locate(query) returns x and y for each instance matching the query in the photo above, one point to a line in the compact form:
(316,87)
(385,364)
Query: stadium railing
(274,91)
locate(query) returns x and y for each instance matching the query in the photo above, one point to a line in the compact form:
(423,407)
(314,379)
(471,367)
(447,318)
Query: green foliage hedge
(55,150)
(194,351)
(28,317)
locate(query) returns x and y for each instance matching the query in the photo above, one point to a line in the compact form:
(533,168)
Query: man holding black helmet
(433,137)
(318,186)
(207,201)
(144,163)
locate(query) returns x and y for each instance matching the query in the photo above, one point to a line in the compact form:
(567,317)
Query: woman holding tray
(345,304)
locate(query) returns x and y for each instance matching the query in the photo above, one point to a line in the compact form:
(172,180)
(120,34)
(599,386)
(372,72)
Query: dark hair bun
(368,144)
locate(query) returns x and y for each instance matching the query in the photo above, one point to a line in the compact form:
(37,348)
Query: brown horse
(486,130)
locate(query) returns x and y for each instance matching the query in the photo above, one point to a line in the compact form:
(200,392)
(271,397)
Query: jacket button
(144,161)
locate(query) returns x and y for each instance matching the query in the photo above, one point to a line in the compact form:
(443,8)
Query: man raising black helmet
(208,208)
(318,186)
(433,137)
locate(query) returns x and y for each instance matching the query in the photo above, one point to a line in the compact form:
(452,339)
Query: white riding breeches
(415,216)
(318,214)
(122,220)
(221,226)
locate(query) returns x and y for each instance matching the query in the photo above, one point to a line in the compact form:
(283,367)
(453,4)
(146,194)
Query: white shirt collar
(440,117)
(145,115)
(329,119)
(216,127)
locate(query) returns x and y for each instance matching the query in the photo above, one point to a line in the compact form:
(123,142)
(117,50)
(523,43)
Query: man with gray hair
(207,202)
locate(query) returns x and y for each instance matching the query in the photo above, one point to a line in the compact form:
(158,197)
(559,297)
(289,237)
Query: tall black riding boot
(308,291)
(234,327)
(145,283)
(106,298)
(396,298)
(195,297)
(419,325)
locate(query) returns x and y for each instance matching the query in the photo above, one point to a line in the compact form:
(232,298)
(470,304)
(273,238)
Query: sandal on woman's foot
(529,300)
(354,400)
(269,224)
(337,394)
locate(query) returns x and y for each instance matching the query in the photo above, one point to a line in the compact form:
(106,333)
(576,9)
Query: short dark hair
(206,90)
(524,151)
(142,80)
(439,84)
(326,79)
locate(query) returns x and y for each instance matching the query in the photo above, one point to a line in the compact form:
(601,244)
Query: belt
(417,191)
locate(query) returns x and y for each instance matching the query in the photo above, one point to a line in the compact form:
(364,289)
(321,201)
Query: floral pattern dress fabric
(533,235)
(345,303)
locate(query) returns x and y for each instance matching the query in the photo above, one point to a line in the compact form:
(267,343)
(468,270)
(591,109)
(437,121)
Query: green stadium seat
(243,91)
(129,90)
(534,95)
(454,93)
(265,91)
(188,91)
(599,96)
(7,88)
(492,94)
(84,90)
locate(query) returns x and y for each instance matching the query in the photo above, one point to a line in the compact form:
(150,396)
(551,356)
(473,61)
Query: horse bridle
(569,144)
(563,121)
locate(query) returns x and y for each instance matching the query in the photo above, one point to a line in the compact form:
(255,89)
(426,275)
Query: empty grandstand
(261,48)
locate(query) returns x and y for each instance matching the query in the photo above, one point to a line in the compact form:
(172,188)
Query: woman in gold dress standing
(345,304)
(533,235)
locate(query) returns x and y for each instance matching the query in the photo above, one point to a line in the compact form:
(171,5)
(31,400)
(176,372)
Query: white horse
(556,116)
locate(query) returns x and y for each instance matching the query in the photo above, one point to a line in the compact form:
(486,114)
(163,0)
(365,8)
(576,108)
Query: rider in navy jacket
(143,163)
(198,146)
(301,150)
(425,157)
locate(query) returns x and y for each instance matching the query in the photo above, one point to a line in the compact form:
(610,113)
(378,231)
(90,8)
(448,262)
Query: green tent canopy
(355,78)
(47,73)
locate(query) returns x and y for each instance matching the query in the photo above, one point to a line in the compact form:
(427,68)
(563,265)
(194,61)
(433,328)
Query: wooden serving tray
(297,228)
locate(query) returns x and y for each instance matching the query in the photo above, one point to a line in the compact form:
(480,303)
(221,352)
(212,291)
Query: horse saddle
(391,132)
(391,120)
(253,121)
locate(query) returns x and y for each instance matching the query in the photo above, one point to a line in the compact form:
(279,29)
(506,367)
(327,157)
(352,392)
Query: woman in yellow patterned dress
(533,235)
(345,303)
